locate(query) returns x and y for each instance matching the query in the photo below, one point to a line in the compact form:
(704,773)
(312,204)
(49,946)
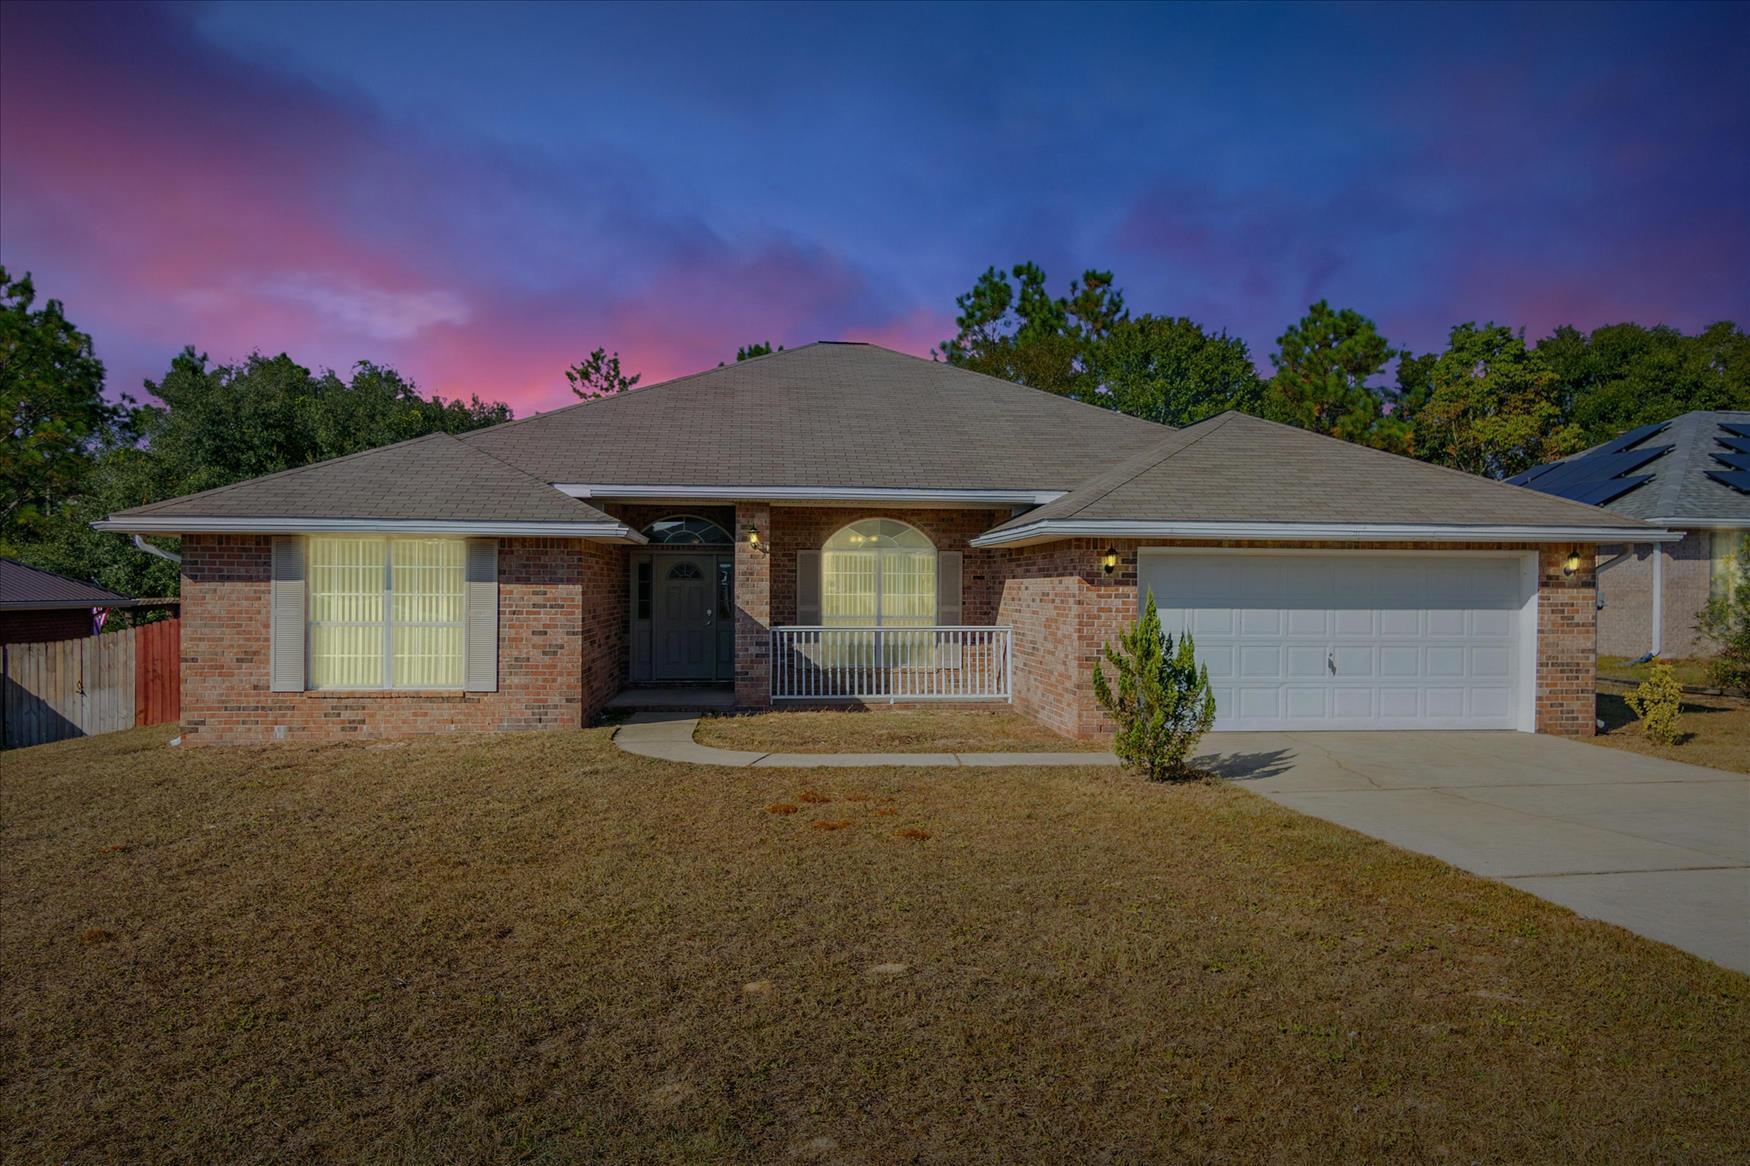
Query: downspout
(1658,600)
(168,556)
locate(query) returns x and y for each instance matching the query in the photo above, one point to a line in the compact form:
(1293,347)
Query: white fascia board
(613,532)
(877,494)
(1691,523)
(1049,530)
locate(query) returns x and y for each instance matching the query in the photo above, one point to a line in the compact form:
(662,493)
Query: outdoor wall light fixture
(1109,561)
(753,536)
(1573,563)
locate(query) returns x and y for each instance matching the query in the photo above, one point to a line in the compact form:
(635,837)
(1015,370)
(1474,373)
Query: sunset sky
(480,195)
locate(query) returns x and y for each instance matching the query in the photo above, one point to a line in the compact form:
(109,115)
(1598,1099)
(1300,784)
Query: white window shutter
(948,607)
(808,588)
(480,669)
(286,615)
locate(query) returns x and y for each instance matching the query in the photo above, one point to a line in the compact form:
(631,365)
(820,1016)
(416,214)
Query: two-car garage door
(1349,640)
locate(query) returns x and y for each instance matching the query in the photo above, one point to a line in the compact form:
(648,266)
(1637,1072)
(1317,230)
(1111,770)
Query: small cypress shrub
(1656,702)
(1163,703)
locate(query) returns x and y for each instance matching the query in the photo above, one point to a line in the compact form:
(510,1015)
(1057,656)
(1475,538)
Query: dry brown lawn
(888,731)
(537,949)
(1716,730)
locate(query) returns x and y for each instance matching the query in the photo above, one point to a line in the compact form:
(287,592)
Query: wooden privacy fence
(76,688)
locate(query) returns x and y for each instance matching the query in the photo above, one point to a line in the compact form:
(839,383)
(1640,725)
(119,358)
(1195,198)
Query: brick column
(1567,638)
(753,607)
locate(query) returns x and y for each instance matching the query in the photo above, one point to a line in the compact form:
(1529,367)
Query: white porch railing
(892,663)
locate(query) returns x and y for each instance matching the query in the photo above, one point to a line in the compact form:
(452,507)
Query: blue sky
(480,194)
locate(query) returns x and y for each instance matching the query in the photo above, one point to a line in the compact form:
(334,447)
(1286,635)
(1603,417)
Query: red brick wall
(753,606)
(560,652)
(41,627)
(1063,609)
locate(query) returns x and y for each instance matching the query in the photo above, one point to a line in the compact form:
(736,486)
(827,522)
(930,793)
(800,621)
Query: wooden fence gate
(76,688)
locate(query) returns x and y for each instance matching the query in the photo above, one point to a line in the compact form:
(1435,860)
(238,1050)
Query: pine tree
(1163,704)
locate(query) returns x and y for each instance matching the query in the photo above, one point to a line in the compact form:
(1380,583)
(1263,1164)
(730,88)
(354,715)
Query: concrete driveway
(1658,847)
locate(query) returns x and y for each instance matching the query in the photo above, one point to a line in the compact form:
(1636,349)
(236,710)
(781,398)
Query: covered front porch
(753,605)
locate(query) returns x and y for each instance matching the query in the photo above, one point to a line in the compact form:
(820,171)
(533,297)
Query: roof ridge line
(518,470)
(1220,419)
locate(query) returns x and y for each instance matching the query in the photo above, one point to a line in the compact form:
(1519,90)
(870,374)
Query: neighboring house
(1690,474)
(37,606)
(843,522)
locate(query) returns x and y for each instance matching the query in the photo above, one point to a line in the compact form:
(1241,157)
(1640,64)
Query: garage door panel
(1355,621)
(1399,621)
(1353,660)
(1308,704)
(1491,702)
(1399,704)
(1351,640)
(1352,704)
(1449,622)
(1400,661)
(1260,662)
(1444,660)
(1491,662)
(1305,662)
(1443,702)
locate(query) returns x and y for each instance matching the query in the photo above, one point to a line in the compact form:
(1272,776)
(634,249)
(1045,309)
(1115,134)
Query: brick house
(840,523)
(1691,475)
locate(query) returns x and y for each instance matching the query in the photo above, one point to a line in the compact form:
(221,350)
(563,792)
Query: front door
(685,628)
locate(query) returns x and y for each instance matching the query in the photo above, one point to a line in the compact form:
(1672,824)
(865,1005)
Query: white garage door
(1350,640)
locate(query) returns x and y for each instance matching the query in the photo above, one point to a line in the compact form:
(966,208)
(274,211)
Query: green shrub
(1727,623)
(1163,703)
(1656,702)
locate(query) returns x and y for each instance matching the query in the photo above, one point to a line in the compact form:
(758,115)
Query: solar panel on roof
(1736,479)
(1740,444)
(1526,477)
(1737,461)
(1631,438)
(1736,428)
(1598,493)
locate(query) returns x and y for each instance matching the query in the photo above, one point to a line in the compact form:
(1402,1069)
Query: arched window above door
(686,530)
(878,572)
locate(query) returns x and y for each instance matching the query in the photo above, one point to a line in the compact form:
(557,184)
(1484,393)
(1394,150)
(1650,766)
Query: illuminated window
(386,612)
(878,573)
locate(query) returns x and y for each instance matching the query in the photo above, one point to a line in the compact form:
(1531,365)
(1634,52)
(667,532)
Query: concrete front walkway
(669,737)
(1655,846)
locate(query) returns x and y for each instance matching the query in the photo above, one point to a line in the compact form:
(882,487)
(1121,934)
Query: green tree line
(1489,402)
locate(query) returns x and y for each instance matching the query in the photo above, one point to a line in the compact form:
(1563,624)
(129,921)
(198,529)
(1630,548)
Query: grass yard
(1692,672)
(889,731)
(1716,730)
(536,948)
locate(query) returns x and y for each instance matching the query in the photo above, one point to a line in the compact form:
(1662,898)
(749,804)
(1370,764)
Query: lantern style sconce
(1573,563)
(1109,561)
(753,536)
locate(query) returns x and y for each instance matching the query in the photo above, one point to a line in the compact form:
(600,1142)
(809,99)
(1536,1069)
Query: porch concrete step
(677,698)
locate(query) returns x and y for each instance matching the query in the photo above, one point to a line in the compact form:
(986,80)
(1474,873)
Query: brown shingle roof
(433,478)
(24,588)
(1242,469)
(827,414)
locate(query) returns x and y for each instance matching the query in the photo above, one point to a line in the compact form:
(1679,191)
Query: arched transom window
(878,572)
(686,530)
